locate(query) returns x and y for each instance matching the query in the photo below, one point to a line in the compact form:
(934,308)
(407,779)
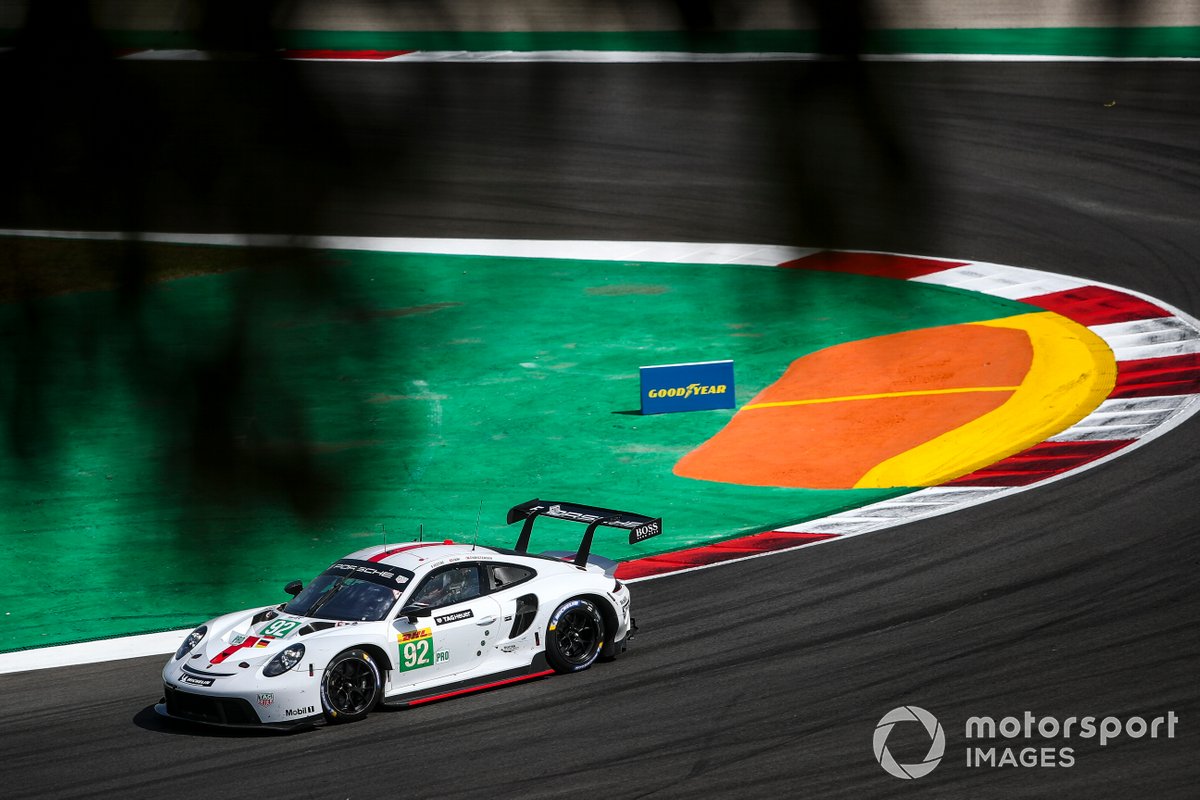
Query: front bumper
(222,712)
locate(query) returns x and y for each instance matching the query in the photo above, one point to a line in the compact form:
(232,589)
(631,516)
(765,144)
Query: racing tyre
(574,636)
(351,686)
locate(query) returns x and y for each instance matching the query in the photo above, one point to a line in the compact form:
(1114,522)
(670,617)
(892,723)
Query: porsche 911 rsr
(402,624)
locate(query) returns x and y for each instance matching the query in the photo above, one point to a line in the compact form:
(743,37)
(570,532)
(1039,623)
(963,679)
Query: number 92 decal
(416,649)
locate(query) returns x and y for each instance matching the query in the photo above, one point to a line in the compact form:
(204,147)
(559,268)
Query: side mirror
(415,612)
(294,588)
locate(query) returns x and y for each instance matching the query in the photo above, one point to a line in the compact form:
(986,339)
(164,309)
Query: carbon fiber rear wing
(640,527)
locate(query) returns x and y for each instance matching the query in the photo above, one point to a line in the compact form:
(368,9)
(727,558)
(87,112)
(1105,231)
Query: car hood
(258,634)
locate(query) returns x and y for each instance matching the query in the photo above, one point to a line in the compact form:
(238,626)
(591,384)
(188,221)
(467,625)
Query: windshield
(351,591)
(341,598)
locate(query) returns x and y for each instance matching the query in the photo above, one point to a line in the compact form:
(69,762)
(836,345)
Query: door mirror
(415,611)
(294,588)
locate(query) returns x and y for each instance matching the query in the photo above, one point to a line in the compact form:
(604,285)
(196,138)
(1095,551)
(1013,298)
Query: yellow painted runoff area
(1071,371)
(880,395)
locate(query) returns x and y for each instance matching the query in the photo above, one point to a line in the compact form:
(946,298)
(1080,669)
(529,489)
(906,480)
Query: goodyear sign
(687,387)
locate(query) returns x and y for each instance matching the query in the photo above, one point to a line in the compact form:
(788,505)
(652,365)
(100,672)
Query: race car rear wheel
(351,686)
(574,635)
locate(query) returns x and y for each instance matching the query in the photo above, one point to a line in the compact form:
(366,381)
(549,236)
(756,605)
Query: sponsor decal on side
(416,650)
(266,698)
(409,636)
(194,681)
(300,712)
(455,617)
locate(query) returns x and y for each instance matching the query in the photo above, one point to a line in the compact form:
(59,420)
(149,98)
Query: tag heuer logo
(266,699)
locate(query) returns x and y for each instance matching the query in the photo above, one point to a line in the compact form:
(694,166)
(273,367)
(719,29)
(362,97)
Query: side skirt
(538,668)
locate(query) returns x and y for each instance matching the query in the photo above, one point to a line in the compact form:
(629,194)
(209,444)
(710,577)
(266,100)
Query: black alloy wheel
(351,686)
(574,636)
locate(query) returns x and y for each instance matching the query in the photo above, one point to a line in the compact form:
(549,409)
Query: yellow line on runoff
(882,395)
(1072,371)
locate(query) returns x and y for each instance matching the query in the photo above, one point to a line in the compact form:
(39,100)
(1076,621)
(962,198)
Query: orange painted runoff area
(911,409)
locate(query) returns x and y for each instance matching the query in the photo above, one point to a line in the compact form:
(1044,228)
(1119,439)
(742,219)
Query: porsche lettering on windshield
(387,575)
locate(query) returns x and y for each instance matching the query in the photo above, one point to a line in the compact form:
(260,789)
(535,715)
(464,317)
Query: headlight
(284,661)
(191,641)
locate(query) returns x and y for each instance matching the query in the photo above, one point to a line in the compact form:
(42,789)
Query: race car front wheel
(351,686)
(574,635)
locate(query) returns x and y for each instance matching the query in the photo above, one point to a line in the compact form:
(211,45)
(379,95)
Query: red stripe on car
(481,687)
(346,55)
(381,556)
(249,641)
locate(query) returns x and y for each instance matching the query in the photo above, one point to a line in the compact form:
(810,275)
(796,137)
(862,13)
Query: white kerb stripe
(67,655)
(1150,338)
(1012,283)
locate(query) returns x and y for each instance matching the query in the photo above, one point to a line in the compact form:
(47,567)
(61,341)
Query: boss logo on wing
(645,531)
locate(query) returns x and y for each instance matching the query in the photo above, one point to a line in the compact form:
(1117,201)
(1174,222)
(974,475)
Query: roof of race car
(413,555)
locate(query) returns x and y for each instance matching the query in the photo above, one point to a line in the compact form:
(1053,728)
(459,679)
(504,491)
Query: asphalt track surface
(766,677)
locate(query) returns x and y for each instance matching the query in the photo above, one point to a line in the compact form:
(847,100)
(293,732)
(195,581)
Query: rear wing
(640,527)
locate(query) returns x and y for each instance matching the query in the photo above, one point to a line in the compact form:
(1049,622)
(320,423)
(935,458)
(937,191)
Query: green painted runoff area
(449,387)
(1119,42)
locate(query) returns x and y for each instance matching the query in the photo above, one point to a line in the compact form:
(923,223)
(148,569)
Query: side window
(447,586)
(502,576)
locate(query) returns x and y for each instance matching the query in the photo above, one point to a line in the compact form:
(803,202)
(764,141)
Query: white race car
(409,623)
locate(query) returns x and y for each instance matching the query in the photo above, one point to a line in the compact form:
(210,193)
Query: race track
(765,677)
